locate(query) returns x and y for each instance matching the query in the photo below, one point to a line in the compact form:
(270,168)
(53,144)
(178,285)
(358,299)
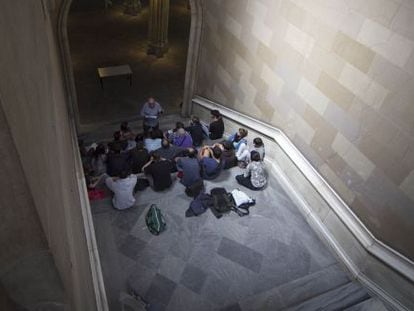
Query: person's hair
(158,133)
(215,113)
(179,125)
(165,143)
(154,135)
(123,174)
(192,153)
(243,132)
(227,145)
(195,120)
(217,152)
(140,145)
(255,156)
(117,135)
(124,127)
(155,156)
(99,150)
(258,142)
(139,137)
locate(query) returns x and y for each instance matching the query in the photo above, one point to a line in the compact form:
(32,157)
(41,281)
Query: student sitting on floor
(182,139)
(172,133)
(189,167)
(125,131)
(238,139)
(138,157)
(158,172)
(228,156)
(243,154)
(196,131)
(123,189)
(98,160)
(116,161)
(254,177)
(169,151)
(118,143)
(210,162)
(215,129)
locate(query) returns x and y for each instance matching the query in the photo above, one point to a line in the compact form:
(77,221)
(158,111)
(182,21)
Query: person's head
(227,145)
(165,143)
(192,153)
(155,156)
(195,120)
(125,127)
(181,132)
(258,142)
(179,125)
(140,145)
(242,132)
(124,174)
(217,152)
(254,156)
(154,135)
(100,149)
(215,114)
(151,101)
(117,135)
(139,137)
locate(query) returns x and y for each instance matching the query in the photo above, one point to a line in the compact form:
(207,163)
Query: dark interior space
(100,37)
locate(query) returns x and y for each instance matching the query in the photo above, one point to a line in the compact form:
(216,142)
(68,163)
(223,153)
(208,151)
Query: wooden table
(113,71)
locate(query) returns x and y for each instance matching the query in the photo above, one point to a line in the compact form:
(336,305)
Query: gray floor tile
(132,246)
(232,307)
(172,268)
(216,290)
(193,278)
(184,299)
(151,257)
(240,254)
(160,290)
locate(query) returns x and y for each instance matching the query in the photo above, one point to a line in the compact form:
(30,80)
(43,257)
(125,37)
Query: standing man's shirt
(151,114)
(123,191)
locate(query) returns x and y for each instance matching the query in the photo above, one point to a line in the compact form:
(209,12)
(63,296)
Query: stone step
(372,304)
(299,290)
(343,297)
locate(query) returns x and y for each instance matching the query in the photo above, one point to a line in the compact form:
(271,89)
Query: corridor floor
(268,260)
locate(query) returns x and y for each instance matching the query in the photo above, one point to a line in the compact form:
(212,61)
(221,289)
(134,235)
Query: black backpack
(195,189)
(223,203)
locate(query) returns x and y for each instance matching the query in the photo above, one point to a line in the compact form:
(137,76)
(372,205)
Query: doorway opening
(99,37)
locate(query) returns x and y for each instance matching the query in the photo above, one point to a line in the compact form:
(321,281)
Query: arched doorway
(109,96)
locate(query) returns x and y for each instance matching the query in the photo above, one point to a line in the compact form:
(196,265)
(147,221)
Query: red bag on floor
(96,194)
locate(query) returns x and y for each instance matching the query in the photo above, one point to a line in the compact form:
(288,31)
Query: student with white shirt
(123,189)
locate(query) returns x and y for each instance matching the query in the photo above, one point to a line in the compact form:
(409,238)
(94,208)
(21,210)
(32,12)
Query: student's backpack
(199,205)
(222,201)
(195,189)
(154,220)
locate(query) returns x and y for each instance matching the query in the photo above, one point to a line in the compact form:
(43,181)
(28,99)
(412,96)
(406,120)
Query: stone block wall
(337,77)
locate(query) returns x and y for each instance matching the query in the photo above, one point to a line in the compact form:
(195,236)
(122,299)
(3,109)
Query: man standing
(151,112)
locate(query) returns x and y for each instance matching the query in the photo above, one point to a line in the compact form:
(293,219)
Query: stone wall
(34,104)
(337,78)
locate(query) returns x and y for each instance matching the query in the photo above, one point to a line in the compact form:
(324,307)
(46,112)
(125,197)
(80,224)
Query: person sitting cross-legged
(123,189)
(182,139)
(138,157)
(169,151)
(210,162)
(196,131)
(189,167)
(158,172)
(254,176)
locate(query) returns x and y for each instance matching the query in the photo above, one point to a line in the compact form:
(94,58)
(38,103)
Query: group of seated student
(157,156)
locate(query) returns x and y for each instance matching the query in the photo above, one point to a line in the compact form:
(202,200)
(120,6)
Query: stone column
(158,27)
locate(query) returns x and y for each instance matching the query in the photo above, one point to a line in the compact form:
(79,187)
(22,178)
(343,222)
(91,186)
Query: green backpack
(154,220)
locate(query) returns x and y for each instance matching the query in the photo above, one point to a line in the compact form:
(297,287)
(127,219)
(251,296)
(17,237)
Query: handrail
(377,248)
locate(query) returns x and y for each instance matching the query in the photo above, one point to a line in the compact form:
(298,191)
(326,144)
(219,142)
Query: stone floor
(268,260)
(100,38)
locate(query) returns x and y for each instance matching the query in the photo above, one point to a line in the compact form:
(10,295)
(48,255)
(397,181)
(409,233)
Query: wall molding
(396,263)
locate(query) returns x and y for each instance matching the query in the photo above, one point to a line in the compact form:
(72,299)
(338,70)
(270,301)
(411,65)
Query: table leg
(101,81)
(130,80)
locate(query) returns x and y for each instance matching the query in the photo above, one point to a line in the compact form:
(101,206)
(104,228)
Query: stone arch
(191,65)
